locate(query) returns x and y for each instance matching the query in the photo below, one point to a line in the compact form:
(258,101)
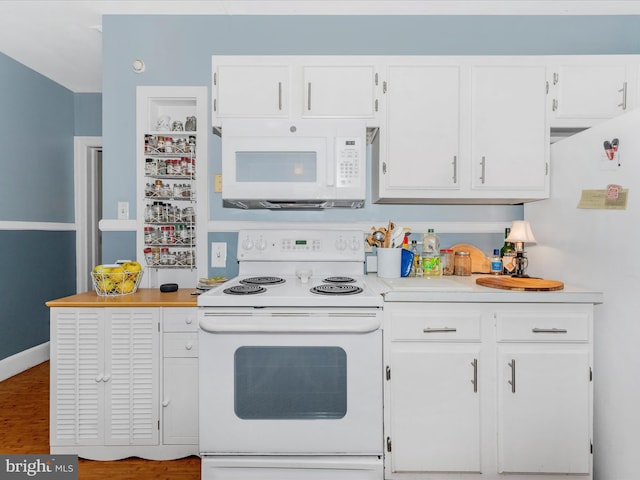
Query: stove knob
(341,244)
(262,244)
(247,243)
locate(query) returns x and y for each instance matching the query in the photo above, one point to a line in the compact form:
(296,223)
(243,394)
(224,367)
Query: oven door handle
(339,325)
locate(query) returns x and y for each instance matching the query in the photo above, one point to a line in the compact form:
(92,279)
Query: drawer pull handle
(439,330)
(512,382)
(474,364)
(165,403)
(189,346)
(189,321)
(549,330)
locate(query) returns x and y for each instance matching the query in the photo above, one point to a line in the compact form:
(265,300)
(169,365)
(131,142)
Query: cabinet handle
(474,364)
(309,96)
(189,321)
(439,330)
(99,378)
(482,169)
(455,169)
(189,346)
(623,90)
(554,104)
(556,78)
(512,382)
(549,330)
(106,378)
(165,403)
(279,95)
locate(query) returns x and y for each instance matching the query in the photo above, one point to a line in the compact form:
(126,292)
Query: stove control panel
(296,245)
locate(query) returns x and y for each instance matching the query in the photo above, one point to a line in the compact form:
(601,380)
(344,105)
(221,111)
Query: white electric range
(291,362)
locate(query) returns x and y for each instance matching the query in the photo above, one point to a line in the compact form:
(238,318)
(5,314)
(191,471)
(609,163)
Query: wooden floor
(24,428)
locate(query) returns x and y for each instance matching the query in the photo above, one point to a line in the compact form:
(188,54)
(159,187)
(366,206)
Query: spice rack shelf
(171,169)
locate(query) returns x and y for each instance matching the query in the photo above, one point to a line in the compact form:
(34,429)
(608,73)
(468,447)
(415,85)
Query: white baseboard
(24,360)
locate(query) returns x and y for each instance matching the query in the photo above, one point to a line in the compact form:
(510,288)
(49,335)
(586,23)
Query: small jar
(462,263)
(149,236)
(446,260)
(164,256)
(148,256)
(155,256)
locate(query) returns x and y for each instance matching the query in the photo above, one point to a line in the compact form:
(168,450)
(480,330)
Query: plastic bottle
(496,262)
(430,243)
(431,254)
(508,254)
(416,258)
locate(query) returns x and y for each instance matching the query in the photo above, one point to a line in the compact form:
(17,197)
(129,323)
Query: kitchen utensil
(520,284)
(379,237)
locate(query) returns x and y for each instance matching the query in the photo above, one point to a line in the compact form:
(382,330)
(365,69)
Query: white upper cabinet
(462,130)
(339,91)
(251,91)
(293,87)
(586,90)
(423,128)
(508,132)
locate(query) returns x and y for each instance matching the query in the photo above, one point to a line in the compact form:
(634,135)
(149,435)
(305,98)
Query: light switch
(219,254)
(123,210)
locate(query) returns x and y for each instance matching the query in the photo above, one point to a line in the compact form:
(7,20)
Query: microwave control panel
(349,161)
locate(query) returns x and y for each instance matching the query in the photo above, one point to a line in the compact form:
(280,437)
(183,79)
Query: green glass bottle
(507,253)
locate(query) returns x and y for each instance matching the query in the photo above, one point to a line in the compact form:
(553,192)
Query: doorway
(88,208)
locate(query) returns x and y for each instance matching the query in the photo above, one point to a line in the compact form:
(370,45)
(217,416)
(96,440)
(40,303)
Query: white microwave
(309,164)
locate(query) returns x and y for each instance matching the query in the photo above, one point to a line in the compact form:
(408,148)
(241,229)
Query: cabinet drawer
(542,326)
(436,327)
(180,319)
(180,345)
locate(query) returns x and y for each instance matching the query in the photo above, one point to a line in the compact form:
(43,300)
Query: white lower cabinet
(485,391)
(106,383)
(180,368)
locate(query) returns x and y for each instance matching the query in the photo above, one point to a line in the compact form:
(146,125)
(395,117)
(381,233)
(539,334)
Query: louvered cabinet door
(77,374)
(132,365)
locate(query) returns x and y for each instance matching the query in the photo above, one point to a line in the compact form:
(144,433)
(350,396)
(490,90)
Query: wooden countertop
(144,297)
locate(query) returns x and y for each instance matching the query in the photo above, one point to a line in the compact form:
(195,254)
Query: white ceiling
(62,39)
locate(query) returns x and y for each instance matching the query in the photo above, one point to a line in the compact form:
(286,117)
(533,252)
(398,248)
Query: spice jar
(446,259)
(462,263)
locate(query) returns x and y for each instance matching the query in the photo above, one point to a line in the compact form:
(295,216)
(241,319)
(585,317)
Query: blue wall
(177,50)
(37,125)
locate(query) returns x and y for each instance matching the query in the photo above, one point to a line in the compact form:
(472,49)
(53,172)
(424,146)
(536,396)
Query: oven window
(267,167)
(290,382)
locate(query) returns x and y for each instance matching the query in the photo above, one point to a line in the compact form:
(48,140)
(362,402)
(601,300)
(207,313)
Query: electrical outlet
(218,254)
(217,183)
(123,210)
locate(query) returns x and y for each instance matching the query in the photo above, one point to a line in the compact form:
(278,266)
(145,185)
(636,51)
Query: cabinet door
(77,374)
(251,91)
(585,94)
(131,376)
(508,132)
(543,409)
(180,401)
(338,91)
(423,123)
(435,408)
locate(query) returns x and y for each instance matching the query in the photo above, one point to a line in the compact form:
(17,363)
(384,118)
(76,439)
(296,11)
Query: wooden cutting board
(479,261)
(520,284)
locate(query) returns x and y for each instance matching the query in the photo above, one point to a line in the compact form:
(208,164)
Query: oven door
(290,382)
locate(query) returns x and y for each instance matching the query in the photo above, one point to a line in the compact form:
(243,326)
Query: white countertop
(465,289)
